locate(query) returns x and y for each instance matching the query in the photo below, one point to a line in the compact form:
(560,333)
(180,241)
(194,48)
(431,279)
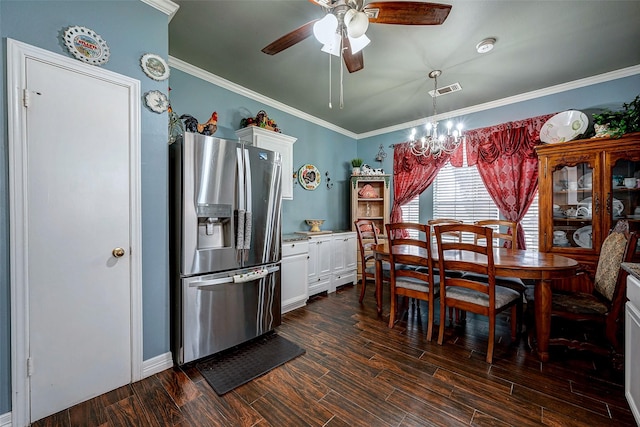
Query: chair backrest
(367,237)
(614,251)
(495,224)
(467,257)
(439,221)
(410,256)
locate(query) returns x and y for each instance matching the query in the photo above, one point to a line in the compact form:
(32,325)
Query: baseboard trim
(5,420)
(155,364)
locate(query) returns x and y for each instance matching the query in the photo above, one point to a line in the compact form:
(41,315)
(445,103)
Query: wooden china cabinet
(582,193)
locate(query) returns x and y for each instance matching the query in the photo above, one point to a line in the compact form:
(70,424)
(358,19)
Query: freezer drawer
(220,311)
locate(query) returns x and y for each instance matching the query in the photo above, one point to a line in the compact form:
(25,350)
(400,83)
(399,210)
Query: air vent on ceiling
(455,87)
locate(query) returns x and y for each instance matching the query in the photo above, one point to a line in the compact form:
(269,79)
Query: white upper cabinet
(274,141)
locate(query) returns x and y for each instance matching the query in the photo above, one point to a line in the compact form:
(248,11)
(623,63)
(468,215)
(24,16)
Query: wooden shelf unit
(375,209)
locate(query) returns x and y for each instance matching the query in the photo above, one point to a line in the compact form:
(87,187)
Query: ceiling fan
(342,29)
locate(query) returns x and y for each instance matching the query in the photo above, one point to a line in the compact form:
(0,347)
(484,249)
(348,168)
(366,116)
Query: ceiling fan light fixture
(326,28)
(333,45)
(356,22)
(485,45)
(357,44)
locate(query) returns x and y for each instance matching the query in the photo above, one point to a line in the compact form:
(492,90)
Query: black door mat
(239,365)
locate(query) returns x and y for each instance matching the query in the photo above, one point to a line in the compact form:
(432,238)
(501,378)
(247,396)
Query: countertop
(633,268)
(294,237)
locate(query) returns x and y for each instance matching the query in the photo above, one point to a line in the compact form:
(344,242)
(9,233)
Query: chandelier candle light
(433,144)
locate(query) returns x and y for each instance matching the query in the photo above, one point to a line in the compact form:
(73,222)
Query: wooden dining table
(541,267)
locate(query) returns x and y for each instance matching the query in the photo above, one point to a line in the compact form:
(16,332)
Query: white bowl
(564,127)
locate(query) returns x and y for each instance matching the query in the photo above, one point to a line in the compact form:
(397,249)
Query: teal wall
(132,28)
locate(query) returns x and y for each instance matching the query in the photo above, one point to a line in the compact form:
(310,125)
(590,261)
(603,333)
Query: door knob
(118,252)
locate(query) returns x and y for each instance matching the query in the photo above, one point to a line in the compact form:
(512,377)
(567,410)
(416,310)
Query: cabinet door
(294,281)
(571,216)
(324,256)
(621,191)
(338,252)
(350,252)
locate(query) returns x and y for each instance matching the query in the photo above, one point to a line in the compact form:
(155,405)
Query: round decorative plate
(564,127)
(156,101)
(309,177)
(154,66)
(582,236)
(86,45)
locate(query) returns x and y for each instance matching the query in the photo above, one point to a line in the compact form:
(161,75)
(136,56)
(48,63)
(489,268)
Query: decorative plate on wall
(154,66)
(86,45)
(309,177)
(156,101)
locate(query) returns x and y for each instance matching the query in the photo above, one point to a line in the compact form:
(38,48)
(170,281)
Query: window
(411,213)
(459,193)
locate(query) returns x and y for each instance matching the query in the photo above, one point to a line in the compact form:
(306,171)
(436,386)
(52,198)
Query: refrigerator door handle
(212,282)
(248,195)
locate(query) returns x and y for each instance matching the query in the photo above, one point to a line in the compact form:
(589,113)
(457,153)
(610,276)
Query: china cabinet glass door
(575,204)
(623,194)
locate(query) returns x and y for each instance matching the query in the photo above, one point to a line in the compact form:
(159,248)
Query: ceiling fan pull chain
(330,106)
(341,72)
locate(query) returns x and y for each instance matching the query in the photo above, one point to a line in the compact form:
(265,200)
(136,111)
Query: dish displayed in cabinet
(582,237)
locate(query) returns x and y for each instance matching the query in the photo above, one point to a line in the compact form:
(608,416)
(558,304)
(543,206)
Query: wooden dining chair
(411,271)
(439,221)
(368,237)
(485,299)
(604,307)
(498,236)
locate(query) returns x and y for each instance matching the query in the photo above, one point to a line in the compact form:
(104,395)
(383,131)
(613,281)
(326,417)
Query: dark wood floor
(358,372)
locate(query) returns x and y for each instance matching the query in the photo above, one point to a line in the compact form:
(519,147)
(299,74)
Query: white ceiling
(539,44)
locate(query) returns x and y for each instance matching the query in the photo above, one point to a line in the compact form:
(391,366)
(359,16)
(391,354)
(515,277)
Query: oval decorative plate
(154,66)
(582,236)
(86,45)
(564,127)
(309,177)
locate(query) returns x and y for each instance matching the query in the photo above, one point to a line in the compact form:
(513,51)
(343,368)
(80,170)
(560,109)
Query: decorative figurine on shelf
(260,120)
(175,126)
(368,170)
(209,128)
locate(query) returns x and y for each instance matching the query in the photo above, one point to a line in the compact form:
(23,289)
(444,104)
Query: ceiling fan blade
(407,13)
(354,62)
(288,40)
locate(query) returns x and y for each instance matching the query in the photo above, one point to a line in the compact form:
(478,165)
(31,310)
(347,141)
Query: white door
(78,236)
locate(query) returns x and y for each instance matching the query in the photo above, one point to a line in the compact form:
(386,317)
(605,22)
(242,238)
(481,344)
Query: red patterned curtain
(412,175)
(508,165)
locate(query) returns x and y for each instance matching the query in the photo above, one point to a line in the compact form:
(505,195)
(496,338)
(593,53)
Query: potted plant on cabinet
(356,163)
(617,123)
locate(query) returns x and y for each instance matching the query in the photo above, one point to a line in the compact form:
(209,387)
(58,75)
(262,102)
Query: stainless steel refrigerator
(225,243)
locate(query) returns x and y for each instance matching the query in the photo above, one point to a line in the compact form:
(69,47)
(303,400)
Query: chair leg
(430,320)
(392,310)
(364,285)
(492,337)
(443,316)
(515,320)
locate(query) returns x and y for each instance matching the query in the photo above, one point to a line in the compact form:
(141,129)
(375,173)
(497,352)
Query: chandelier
(432,143)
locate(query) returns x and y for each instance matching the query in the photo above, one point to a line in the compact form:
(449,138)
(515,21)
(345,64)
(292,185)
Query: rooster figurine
(209,128)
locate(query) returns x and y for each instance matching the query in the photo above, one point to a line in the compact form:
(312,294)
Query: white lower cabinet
(319,275)
(294,274)
(344,261)
(632,347)
(332,261)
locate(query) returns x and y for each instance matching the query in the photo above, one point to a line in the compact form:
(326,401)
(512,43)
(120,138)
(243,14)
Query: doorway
(74,141)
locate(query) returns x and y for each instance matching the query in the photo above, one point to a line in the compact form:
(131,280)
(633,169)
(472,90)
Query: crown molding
(165,6)
(576,84)
(241,90)
(551,90)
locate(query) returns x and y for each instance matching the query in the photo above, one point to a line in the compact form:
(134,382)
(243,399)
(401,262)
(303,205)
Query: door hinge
(29,366)
(25,97)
